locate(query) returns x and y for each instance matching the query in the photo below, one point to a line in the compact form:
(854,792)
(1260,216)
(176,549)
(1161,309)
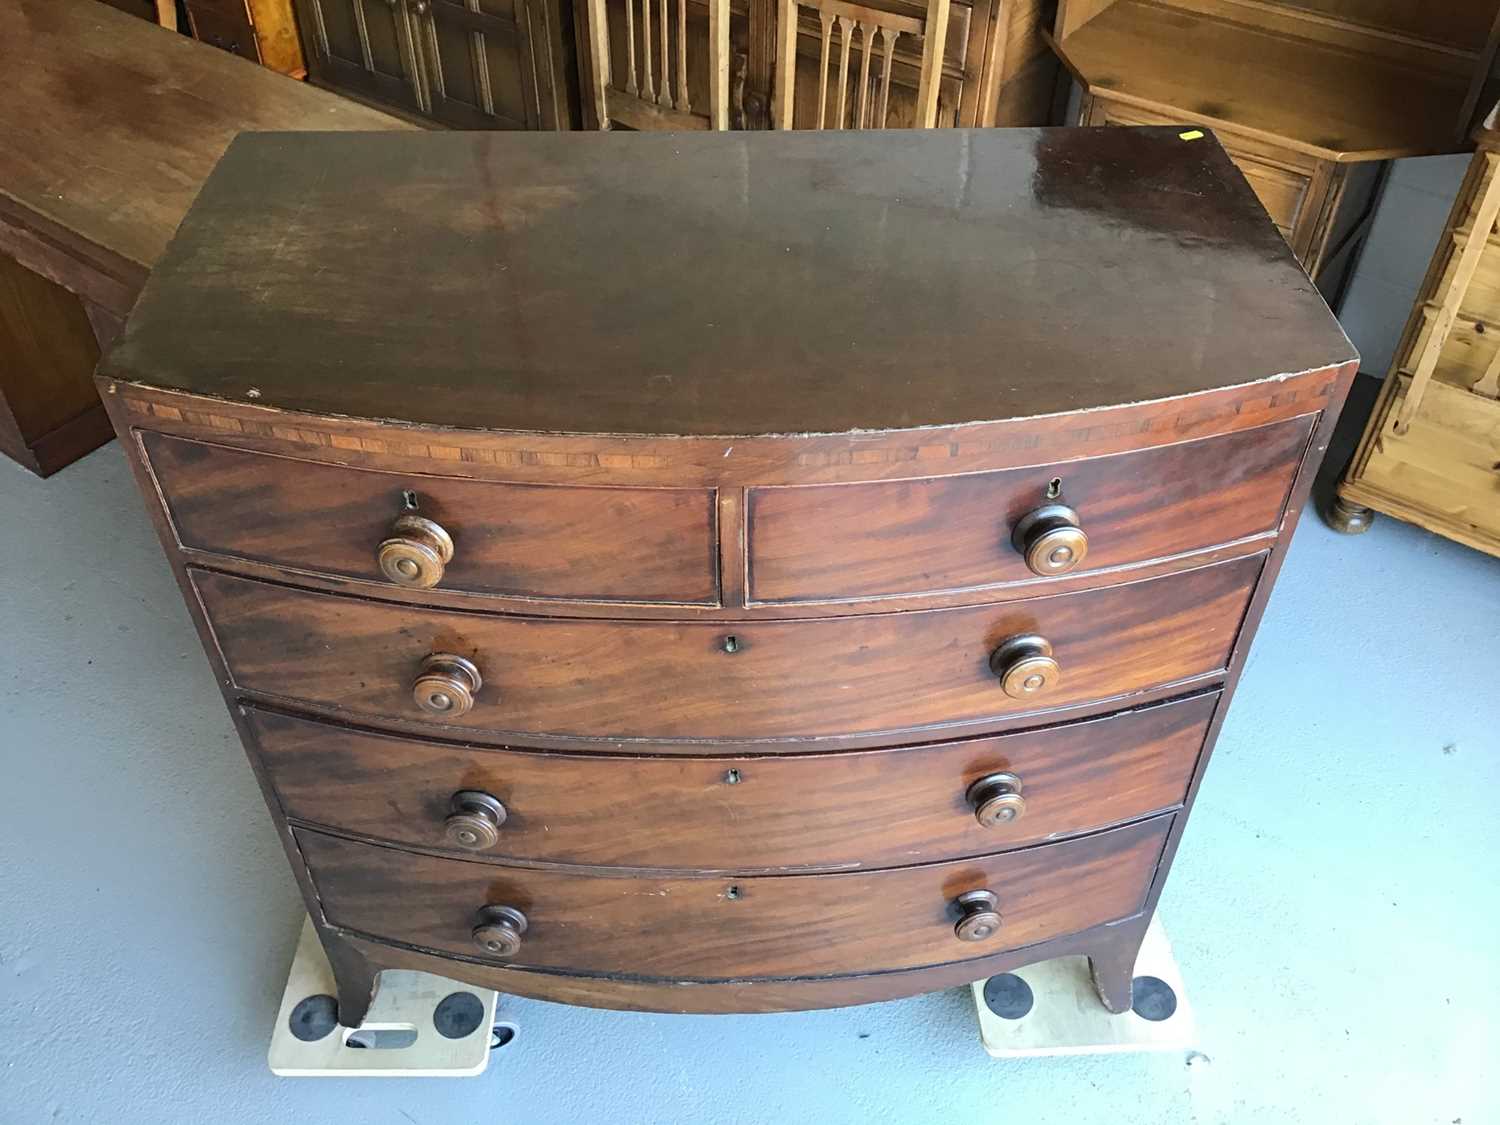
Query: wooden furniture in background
(1431,450)
(625,637)
(153,10)
(1309,98)
(102,148)
(860,99)
(473,64)
(993,66)
(645,74)
(263,31)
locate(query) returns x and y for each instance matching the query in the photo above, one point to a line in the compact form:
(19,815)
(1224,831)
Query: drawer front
(880,808)
(534,541)
(668,680)
(715,928)
(952,533)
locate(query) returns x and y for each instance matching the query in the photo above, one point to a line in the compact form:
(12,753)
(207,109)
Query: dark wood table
(107,129)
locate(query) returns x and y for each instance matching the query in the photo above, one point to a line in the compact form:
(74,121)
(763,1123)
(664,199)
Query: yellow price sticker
(1191,135)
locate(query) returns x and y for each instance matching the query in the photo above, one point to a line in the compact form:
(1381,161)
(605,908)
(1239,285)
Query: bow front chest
(728,572)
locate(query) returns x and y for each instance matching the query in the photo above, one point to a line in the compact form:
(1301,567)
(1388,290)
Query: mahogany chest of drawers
(727,573)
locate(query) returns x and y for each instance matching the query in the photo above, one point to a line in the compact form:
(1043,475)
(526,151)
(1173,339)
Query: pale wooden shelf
(1316,97)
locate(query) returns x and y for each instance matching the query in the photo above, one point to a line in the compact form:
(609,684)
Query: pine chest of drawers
(732,572)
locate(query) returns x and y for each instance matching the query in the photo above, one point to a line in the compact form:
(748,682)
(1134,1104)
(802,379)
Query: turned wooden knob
(474,820)
(1050,539)
(416,552)
(980,920)
(499,930)
(1025,666)
(446,685)
(996,800)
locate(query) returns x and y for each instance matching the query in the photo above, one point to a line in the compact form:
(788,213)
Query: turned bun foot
(1347,518)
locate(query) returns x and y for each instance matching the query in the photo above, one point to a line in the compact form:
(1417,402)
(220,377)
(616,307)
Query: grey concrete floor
(1334,908)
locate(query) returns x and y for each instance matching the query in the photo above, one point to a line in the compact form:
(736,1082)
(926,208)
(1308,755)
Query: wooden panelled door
(362,45)
(476,64)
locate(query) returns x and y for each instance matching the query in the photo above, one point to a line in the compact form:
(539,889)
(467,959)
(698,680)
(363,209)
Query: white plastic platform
(402,1013)
(1066,1017)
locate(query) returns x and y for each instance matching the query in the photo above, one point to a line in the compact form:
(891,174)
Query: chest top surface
(723,284)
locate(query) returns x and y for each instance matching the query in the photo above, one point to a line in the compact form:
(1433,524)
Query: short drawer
(716,680)
(532,541)
(811,543)
(715,928)
(880,808)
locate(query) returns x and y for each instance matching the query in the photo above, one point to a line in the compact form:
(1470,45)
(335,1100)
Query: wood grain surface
(807,283)
(118,122)
(663,680)
(735,813)
(637,544)
(718,928)
(952,533)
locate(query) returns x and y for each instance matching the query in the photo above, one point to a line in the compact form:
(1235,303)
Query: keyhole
(409,500)
(731,643)
(732,777)
(732,893)
(1054,488)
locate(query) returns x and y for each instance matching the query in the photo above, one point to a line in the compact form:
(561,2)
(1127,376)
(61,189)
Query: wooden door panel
(362,44)
(479,66)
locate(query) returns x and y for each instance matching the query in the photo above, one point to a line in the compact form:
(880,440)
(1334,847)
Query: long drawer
(537,541)
(750,680)
(721,928)
(809,543)
(880,808)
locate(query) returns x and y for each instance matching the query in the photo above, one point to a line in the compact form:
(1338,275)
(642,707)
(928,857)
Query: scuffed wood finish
(1374,79)
(606,459)
(953,533)
(738,813)
(987,228)
(156,112)
(663,680)
(1322,208)
(742,805)
(151,112)
(724,928)
(635,544)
